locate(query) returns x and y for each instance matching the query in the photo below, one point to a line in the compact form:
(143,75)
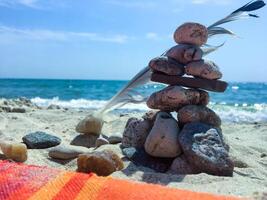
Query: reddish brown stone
(191,33)
(185,53)
(203,69)
(173,98)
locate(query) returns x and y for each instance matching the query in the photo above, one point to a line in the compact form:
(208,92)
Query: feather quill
(128,93)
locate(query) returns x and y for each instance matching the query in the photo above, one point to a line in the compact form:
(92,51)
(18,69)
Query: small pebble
(14,151)
(115,139)
(101,141)
(103,163)
(66,152)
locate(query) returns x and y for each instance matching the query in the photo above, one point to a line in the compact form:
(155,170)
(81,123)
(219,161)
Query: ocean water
(242,102)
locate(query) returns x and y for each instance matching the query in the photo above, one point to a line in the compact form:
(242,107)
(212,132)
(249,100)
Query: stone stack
(194,141)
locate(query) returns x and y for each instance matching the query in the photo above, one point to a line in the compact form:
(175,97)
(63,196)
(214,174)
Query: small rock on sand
(115,138)
(18,110)
(40,140)
(66,152)
(84,140)
(103,163)
(101,141)
(90,125)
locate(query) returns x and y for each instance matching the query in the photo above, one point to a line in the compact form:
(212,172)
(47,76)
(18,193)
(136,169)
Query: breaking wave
(228,112)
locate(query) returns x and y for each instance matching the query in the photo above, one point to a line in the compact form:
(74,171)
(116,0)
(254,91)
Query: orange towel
(19,182)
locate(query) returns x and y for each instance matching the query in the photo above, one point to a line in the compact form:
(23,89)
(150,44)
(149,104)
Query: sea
(241,102)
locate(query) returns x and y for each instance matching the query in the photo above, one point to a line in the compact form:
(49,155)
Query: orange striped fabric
(21,182)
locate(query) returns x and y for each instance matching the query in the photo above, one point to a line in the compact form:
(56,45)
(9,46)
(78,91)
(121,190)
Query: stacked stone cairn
(194,142)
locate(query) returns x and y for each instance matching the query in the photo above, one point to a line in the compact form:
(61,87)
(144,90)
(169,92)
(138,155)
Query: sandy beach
(247,141)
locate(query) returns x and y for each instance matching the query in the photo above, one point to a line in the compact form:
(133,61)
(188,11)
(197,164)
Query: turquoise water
(241,101)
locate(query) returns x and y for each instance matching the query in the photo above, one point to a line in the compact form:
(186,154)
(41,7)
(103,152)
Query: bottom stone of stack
(197,148)
(205,150)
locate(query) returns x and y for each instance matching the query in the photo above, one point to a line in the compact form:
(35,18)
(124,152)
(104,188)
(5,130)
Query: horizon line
(81,79)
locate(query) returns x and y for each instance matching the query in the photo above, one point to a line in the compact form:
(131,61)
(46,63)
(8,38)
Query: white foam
(235,87)
(82,103)
(236,113)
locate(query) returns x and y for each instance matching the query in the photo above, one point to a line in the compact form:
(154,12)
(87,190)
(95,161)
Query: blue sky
(114,39)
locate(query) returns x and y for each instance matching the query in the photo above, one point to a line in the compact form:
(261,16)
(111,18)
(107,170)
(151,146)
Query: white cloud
(218,2)
(152,36)
(44,34)
(12,3)
(133,3)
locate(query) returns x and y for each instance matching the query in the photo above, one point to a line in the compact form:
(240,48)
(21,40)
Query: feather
(240,13)
(219,30)
(128,93)
(207,49)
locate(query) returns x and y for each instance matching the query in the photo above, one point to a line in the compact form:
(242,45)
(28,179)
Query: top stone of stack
(186,58)
(191,33)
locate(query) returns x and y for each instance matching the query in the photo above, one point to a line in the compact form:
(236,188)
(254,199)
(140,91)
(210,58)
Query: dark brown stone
(167,65)
(185,53)
(211,85)
(139,157)
(194,113)
(136,132)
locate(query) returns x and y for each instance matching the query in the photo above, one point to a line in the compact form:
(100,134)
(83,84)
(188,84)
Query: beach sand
(248,143)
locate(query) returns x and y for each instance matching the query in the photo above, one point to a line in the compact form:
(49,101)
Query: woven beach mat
(20,181)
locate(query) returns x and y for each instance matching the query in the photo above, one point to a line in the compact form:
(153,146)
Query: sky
(114,39)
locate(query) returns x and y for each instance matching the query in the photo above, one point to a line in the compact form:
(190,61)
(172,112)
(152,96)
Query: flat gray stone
(66,152)
(40,140)
(18,110)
